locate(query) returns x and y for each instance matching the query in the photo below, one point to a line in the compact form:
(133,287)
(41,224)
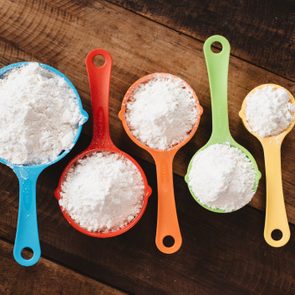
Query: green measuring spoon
(217,67)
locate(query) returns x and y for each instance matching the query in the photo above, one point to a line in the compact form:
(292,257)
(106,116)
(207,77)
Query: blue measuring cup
(27,236)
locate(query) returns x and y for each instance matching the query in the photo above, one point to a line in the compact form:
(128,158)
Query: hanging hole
(216,47)
(276,234)
(27,253)
(98,60)
(168,241)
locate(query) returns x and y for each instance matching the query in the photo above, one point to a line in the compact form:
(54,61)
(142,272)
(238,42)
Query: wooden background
(220,253)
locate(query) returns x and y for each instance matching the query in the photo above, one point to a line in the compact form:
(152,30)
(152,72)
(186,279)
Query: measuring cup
(167,223)
(99,81)
(276,216)
(27,236)
(217,67)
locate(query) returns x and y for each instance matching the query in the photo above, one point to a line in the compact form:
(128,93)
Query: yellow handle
(168,236)
(276,216)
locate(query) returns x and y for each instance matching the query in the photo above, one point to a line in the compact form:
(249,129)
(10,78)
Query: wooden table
(221,254)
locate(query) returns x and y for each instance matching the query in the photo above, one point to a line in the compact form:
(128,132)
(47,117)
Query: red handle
(99,82)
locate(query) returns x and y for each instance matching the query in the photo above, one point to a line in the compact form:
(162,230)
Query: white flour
(269,111)
(222,177)
(162,112)
(39,115)
(103,192)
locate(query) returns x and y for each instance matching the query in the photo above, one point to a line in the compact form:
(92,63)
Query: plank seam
(197,39)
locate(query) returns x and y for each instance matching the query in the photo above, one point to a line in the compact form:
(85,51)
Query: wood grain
(220,252)
(61,33)
(45,278)
(261,32)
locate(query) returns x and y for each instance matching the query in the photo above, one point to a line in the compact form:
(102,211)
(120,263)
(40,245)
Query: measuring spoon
(27,236)
(167,222)
(99,82)
(275,216)
(217,67)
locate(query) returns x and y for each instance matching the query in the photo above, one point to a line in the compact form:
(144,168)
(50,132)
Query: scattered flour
(269,110)
(103,192)
(222,177)
(39,115)
(162,112)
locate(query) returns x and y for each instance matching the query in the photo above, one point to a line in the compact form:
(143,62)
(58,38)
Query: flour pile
(39,115)
(222,177)
(103,192)
(162,112)
(269,110)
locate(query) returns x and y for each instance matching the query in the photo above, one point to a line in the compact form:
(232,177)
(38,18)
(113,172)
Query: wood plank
(61,33)
(45,278)
(219,251)
(261,32)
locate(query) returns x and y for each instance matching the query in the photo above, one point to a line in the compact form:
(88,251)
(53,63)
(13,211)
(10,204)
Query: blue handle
(27,236)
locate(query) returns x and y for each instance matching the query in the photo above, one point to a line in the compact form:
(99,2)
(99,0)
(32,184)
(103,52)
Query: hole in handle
(98,60)
(216,47)
(276,235)
(168,241)
(27,253)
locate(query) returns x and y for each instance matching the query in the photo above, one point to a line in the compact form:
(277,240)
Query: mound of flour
(162,112)
(39,115)
(103,192)
(269,110)
(222,177)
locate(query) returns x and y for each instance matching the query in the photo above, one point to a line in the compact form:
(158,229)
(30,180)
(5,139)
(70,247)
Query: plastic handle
(167,222)
(276,216)
(27,236)
(217,67)
(99,81)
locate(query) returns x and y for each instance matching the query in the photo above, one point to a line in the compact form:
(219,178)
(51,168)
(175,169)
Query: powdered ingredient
(222,177)
(39,115)
(162,112)
(103,192)
(269,110)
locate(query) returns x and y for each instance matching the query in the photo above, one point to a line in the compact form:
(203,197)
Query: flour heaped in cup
(39,115)
(103,192)
(162,112)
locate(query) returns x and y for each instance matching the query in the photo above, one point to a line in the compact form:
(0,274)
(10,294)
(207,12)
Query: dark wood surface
(46,278)
(260,32)
(221,253)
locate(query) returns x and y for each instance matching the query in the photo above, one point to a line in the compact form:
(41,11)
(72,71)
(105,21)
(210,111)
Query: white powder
(103,192)
(162,112)
(222,177)
(269,110)
(39,115)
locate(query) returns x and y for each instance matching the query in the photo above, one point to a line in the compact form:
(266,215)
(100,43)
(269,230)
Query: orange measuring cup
(99,82)
(167,222)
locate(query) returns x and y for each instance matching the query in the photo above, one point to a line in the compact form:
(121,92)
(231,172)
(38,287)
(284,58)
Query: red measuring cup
(99,81)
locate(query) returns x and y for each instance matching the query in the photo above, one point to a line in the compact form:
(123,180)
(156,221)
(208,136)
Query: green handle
(217,67)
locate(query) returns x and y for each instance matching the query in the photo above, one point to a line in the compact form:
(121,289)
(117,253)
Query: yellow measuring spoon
(275,216)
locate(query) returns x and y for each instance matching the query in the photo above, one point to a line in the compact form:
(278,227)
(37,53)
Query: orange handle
(99,82)
(167,223)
